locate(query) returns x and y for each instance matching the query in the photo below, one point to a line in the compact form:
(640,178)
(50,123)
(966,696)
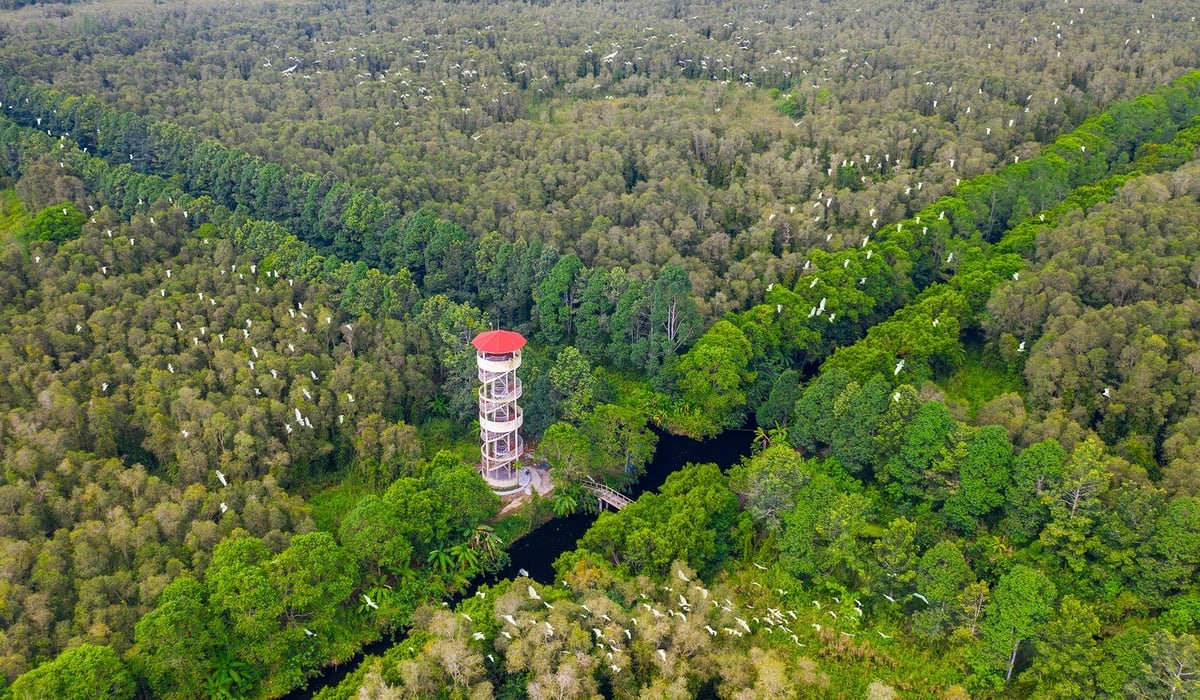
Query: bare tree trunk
(1012,661)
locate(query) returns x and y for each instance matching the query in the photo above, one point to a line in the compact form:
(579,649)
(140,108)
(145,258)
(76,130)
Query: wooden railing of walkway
(608,496)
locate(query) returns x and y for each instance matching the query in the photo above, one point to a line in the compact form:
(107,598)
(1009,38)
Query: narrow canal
(536,552)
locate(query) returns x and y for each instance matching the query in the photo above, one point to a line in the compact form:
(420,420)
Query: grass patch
(976,382)
(332,504)
(12,212)
(440,434)
(511,527)
(628,389)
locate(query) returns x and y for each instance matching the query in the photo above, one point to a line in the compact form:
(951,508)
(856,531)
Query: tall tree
(674,320)
(1020,606)
(177,642)
(1068,653)
(983,475)
(1037,472)
(855,415)
(573,382)
(941,575)
(556,299)
(1172,670)
(814,418)
(712,377)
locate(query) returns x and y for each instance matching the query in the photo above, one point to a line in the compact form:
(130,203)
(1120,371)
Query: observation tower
(498,355)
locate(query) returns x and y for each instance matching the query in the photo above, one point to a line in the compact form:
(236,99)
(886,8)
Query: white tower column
(498,356)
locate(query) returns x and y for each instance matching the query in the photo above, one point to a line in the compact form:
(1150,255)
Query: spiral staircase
(498,356)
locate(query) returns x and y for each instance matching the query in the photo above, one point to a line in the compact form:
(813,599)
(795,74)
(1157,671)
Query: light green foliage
(566,450)
(690,519)
(85,671)
(712,376)
(375,534)
(1172,667)
(612,446)
(823,532)
(1021,604)
(56,223)
(621,439)
(242,595)
(790,106)
(117,410)
(925,441)
(768,484)
(573,382)
(1076,507)
(12,213)
(977,381)
(311,577)
(895,557)
(1068,654)
(462,492)
(177,641)
(928,348)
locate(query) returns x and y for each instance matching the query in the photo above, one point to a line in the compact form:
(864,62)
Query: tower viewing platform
(498,357)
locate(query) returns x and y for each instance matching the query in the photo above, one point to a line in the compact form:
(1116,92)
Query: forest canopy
(939,260)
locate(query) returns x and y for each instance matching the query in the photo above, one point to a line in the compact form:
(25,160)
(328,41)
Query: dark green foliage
(791,107)
(612,445)
(1021,604)
(814,420)
(769,483)
(983,476)
(177,642)
(941,576)
(856,413)
(374,532)
(1036,473)
(926,439)
(556,299)
(711,377)
(822,533)
(777,410)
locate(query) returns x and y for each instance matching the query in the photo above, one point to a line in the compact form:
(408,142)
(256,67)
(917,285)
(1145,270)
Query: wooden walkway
(607,496)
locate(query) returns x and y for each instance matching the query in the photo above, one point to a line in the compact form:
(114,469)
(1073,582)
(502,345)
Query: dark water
(537,551)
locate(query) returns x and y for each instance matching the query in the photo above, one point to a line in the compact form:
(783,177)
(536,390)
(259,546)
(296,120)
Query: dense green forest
(941,258)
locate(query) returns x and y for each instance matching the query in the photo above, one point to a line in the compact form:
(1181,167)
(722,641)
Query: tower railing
(500,418)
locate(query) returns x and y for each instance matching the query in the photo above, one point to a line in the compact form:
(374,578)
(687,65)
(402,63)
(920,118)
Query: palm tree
(230,677)
(762,439)
(484,539)
(378,589)
(465,557)
(564,504)
(440,560)
(439,405)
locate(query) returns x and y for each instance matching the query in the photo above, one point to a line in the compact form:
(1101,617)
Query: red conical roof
(499,342)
